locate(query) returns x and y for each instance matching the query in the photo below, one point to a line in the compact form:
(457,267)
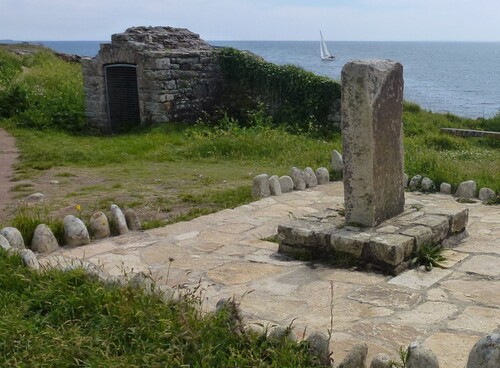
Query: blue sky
(347,20)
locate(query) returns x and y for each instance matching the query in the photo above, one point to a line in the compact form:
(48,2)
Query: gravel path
(8,156)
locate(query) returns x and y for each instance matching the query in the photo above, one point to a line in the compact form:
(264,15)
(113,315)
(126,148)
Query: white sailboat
(325,54)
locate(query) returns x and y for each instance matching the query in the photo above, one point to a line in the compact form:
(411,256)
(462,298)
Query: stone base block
(387,247)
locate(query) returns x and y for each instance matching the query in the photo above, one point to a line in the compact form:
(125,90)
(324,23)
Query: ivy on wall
(300,99)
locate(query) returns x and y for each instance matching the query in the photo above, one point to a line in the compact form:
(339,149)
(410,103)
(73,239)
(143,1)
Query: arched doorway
(122,97)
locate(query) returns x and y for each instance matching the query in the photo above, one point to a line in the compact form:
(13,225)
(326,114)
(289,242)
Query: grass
(445,158)
(72,320)
(182,172)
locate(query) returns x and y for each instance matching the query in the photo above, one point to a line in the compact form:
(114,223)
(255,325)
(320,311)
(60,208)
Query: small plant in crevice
(273,239)
(493,201)
(403,358)
(428,256)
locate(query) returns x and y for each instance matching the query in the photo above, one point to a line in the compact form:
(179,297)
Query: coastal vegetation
(295,98)
(69,319)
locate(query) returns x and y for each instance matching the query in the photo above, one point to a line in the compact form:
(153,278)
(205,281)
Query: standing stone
(486,352)
(319,347)
(406,179)
(322,175)
(372,104)
(337,164)
(274,185)
(298,178)
(118,221)
(466,189)
(43,240)
(311,180)
(356,357)
(415,182)
(381,361)
(445,188)
(486,193)
(260,186)
(99,226)
(14,237)
(133,222)
(427,185)
(75,232)
(286,184)
(4,243)
(421,357)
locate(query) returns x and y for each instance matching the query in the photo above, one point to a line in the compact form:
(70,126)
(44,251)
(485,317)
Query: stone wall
(177,75)
(179,78)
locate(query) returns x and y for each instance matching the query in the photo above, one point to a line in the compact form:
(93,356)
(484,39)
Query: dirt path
(8,156)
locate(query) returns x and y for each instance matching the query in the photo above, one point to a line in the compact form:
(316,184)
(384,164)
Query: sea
(461,78)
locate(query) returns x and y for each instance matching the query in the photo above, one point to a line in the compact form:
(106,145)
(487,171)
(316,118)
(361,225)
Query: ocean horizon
(461,78)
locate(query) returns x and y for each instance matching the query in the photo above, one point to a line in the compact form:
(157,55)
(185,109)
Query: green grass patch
(27,219)
(71,320)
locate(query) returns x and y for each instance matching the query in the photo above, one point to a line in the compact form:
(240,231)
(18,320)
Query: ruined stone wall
(178,75)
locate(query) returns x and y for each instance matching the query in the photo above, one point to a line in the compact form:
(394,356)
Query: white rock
(356,358)
(99,226)
(319,346)
(381,361)
(486,193)
(35,197)
(14,237)
(260,186)
(466,189)
(322,175)
(75,232)
(337,164)
(299,179)
(427,184)
(286,184)
(311,180)
(281,333)
(415,182)
(118,221)
(405,180)
(445,188)
(44,240)
(274,185)
(29,259)
(421,357)
(486,352)
(4,243)
(133,222)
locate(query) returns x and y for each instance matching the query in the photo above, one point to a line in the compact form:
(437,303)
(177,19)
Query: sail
(325,54)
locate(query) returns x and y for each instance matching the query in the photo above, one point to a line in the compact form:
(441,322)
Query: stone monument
(378,231)
(372,104)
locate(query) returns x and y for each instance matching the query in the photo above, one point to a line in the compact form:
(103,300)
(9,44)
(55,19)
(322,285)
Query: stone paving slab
(448,309)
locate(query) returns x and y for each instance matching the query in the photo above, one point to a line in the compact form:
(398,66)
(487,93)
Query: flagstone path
(226,254)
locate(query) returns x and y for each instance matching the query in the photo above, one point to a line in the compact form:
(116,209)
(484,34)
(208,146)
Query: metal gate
(122,96)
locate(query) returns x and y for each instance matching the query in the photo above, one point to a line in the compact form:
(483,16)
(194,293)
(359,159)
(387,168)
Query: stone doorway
(122,96)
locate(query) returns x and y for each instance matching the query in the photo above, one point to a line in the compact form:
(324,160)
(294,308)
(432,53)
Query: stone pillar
(372,96)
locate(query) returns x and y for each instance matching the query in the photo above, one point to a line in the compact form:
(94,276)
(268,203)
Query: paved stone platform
(326,237)
(447,309)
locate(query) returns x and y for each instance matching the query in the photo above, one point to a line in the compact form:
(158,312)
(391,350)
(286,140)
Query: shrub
(294,97)
(48,93)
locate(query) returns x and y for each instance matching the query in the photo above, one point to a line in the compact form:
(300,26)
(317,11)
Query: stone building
(150,75)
